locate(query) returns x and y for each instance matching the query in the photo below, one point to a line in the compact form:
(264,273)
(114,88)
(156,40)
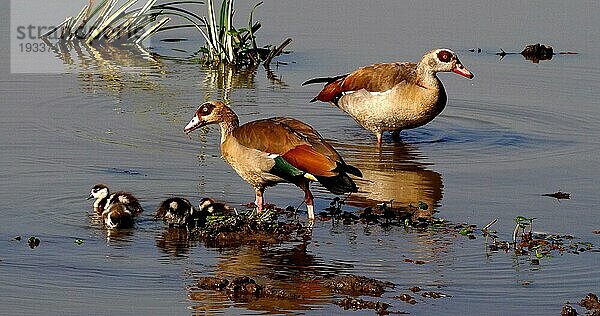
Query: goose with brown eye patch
(275,150)
(444,56)
(393,96)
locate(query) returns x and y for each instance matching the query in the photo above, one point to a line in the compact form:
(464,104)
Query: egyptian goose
(274,150)
(393,96)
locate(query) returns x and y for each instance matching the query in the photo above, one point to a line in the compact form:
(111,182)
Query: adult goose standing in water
(393,96)
(274,150)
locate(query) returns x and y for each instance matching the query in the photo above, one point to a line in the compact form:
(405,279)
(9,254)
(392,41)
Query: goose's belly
(253,166)
(395,109)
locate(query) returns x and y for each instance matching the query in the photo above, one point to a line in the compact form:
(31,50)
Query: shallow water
(518,130)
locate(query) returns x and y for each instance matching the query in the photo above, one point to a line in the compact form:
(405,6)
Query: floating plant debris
(357,285)
(559,195)
(415,289)
(243,288)
(568,310)
(17,238)
(78,242)
(33,242)
(249,227)
(357,304)
(406,298)
(537,52)
(414,261)
(591,303)
(434,295)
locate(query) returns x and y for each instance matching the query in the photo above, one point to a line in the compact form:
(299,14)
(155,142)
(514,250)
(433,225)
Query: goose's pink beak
(194,124)
(462,70)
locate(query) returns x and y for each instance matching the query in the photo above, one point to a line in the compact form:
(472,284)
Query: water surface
(516,131)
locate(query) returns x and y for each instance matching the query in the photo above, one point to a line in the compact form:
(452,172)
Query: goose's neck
(100,202)
(228,124)
(426,77)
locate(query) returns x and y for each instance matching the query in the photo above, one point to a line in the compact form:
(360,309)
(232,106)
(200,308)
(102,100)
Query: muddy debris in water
(243,288)
(408,260)
(434,295)
(537,52)
(568,310)
(357,285)
(418,215)
(591,303)
(407,298)
(352,303)
(415,289)
(33,242)
(248,227)
(559,195)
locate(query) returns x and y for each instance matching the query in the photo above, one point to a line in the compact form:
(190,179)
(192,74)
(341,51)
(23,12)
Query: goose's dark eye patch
(444,56)
(205,109)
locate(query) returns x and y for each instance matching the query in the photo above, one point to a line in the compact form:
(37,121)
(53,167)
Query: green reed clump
(226,44)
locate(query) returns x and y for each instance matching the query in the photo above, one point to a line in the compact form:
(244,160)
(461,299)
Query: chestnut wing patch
(374,78)
(307,159)
(294,141)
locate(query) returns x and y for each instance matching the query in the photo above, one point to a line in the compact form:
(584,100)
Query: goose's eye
(444,56)
(206,109)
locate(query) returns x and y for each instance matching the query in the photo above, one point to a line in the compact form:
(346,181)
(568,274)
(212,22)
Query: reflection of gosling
(177,212)
(210,207)
(117,215)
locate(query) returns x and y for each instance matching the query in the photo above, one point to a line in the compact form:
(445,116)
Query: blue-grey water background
(516,131)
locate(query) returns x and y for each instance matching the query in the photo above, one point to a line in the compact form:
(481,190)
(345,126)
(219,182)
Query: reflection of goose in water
(393,172)
(291,269)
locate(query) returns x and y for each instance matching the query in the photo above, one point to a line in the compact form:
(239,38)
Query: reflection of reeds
(105,66)
(112,24)
(225,44)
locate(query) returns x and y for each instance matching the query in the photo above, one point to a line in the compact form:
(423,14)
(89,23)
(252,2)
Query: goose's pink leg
(310,204)
(259,201)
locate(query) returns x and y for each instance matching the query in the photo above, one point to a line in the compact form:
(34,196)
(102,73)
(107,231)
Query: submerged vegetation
(107,24)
